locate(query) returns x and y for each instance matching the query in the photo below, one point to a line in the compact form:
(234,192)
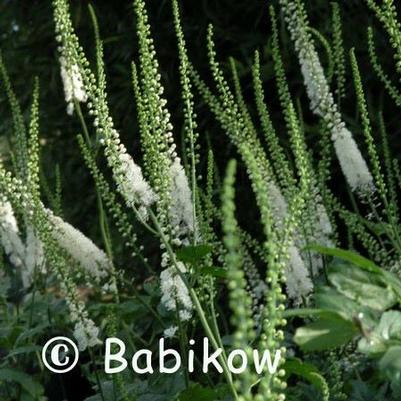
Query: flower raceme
(92,259)
(175,295)
(181,210)
(298,281)
(29,254)
(133,186)
(127,175)
(322,103)
(351,160)
(26,255)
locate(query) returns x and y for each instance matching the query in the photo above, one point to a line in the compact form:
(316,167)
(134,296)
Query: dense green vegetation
(201,169)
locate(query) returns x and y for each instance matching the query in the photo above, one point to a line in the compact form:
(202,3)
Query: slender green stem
(82,121)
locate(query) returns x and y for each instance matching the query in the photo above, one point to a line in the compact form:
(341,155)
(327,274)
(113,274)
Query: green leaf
(328,332)
(362,391)
(214,271)
(193,253)
(390,365)
(24,350)
(294,366)
(387,333)
(349,256)
(24,380)
(306,312)
(27,334)
(327,298)
(366,288)
(362,262)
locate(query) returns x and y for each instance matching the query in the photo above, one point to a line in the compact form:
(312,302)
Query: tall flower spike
(154,117)
(352,163)
(18,123)
(116,153)
(176,211)
(240,301)
(191,134)
(275,250)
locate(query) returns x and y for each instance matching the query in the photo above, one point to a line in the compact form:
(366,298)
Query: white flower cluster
(133,186)
(73,85)
(34,257)
(10,235)
(29,255)
(170,332)
(325,228)
(352,163)
(316,228)
(298,281)
(297,276)
(277,201)
(85,331)
(92,259)
(175,295)
(181,209)
(86,335)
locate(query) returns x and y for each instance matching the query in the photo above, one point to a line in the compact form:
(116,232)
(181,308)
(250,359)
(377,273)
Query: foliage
(271,255)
